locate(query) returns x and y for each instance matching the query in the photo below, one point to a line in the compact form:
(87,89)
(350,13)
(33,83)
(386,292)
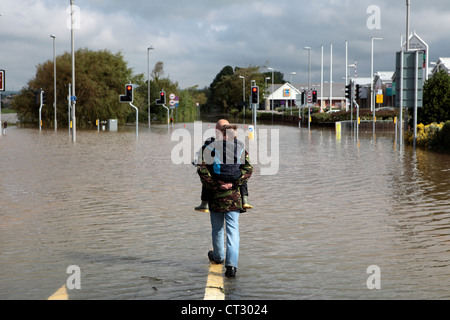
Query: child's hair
(229,131)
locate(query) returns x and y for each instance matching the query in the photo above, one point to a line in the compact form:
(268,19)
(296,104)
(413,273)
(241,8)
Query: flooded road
(122,211)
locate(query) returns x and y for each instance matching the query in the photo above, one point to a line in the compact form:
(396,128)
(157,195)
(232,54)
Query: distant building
(290,95)
(442,64)
(383,82)
(283,95)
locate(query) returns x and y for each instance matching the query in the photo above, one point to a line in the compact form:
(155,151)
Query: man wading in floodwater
(225,205)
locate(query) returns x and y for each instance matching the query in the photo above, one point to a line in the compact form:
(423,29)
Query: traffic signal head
(314,96)
(255,95)
(128,97)
(357,91)
(348,91)
(162,98)
(44,97)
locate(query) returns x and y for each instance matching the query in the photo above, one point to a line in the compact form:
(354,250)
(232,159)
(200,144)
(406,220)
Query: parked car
(333,111)
(385,109)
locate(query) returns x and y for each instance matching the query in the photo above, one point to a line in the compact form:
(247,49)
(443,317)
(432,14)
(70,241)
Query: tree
(100,79)
(436,100)
(226,91)
(158,70)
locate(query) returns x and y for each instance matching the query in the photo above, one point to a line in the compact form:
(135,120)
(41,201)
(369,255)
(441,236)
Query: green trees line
(100,79)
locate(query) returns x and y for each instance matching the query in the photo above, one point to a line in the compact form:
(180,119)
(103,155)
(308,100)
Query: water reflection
(122,211)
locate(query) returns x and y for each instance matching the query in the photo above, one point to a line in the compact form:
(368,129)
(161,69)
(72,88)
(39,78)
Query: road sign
(73,98)
(309,97)
(2,80)
(172,96)
(379,98)
(412,79)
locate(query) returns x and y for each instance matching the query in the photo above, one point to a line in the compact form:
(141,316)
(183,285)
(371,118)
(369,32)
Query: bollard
(338,127)
(251,132)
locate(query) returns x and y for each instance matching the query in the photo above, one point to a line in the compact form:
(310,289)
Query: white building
(290,95)
(442,64)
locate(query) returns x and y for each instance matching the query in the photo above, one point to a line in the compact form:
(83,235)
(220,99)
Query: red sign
(2,80)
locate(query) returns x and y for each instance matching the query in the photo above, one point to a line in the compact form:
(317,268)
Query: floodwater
(122,211)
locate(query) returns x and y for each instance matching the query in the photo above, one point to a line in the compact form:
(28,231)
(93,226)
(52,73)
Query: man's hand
(225,186)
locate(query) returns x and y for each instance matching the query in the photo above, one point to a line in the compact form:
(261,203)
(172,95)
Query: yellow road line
(214,284)
(60,294)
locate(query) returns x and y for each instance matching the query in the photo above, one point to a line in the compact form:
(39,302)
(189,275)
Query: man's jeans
(232,229)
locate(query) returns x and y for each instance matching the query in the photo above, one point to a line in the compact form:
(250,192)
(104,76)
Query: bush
(434,135)
(346,116)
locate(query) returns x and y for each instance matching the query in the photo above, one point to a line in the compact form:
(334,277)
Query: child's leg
(244,195)
(206,195)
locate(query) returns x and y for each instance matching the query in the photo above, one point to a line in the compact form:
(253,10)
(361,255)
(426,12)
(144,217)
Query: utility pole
(54,79)
(74,121)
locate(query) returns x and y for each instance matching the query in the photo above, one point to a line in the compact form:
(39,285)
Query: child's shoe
(245,203)
(203,207)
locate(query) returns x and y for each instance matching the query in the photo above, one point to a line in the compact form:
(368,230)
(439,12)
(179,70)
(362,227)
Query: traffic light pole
(351,103)
(40,109)
(357,119)
(168,116)
(137,120)
(254,114)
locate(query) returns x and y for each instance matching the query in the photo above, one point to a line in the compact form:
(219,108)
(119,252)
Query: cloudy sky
(195,39)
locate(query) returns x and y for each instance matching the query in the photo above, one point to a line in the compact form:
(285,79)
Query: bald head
(221,123)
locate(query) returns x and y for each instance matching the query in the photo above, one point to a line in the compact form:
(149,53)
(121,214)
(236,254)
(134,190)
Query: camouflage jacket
(225,200)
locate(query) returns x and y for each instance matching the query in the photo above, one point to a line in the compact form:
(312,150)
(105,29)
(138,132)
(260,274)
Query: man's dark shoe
(230,272)
(211,257)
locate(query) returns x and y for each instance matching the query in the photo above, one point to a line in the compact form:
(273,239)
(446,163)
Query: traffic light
(128,97)
(255,95)
(314,96)
(303,98)
(348,91)
(357,92)
(162,98)
(44,97)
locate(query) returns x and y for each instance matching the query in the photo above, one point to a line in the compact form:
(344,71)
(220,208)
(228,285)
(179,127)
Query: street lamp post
(243,94)
(372,96)
(148,80)
(292,74)
(271,69)
(273,86)
(309,83)
(331,76)
(321,82)
(54,79)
